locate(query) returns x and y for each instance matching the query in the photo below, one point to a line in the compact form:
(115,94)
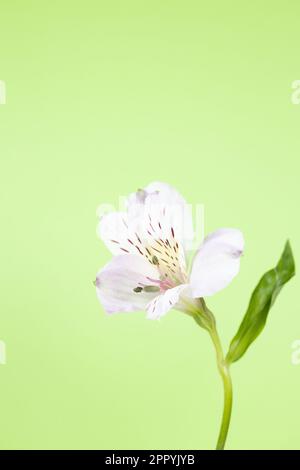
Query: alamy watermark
(295,97)
(2,92)
(2,352)
(156,221)
(295,356)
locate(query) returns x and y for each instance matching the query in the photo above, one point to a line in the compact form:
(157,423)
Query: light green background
(102,98)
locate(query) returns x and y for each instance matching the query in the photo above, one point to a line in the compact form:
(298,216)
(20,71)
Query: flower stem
(205,318)
(223,368)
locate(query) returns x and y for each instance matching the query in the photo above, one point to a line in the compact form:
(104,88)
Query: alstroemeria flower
(149,242)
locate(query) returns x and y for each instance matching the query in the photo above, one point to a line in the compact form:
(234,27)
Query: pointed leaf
(261,301)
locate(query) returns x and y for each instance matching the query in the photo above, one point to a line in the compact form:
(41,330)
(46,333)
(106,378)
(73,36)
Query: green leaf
(261,301)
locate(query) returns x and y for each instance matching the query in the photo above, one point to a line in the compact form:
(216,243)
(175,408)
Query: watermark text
(295,356)
(2,352)
(295,97)
(2,92)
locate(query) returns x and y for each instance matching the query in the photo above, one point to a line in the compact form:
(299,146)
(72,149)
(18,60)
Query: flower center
(168,256)
(161,249)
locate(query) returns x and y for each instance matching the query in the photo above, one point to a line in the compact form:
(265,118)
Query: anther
(151,289)
(137,289)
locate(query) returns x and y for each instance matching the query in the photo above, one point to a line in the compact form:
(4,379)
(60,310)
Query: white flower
(149,242)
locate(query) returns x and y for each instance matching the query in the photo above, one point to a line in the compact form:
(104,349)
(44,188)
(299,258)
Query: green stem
(205,318)
(227,384)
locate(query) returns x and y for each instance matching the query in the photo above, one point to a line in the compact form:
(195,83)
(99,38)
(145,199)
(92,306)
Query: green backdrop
(104,97)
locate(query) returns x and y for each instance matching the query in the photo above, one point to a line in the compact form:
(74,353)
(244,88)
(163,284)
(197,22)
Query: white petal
(217,262)
(163,211)
(164,302)
(163,191)
(119,234)
(116,281)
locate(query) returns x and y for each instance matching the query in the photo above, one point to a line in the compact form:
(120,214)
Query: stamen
(137,289)
(151,289)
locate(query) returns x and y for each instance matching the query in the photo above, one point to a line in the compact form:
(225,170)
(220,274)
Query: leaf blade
(261,301)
